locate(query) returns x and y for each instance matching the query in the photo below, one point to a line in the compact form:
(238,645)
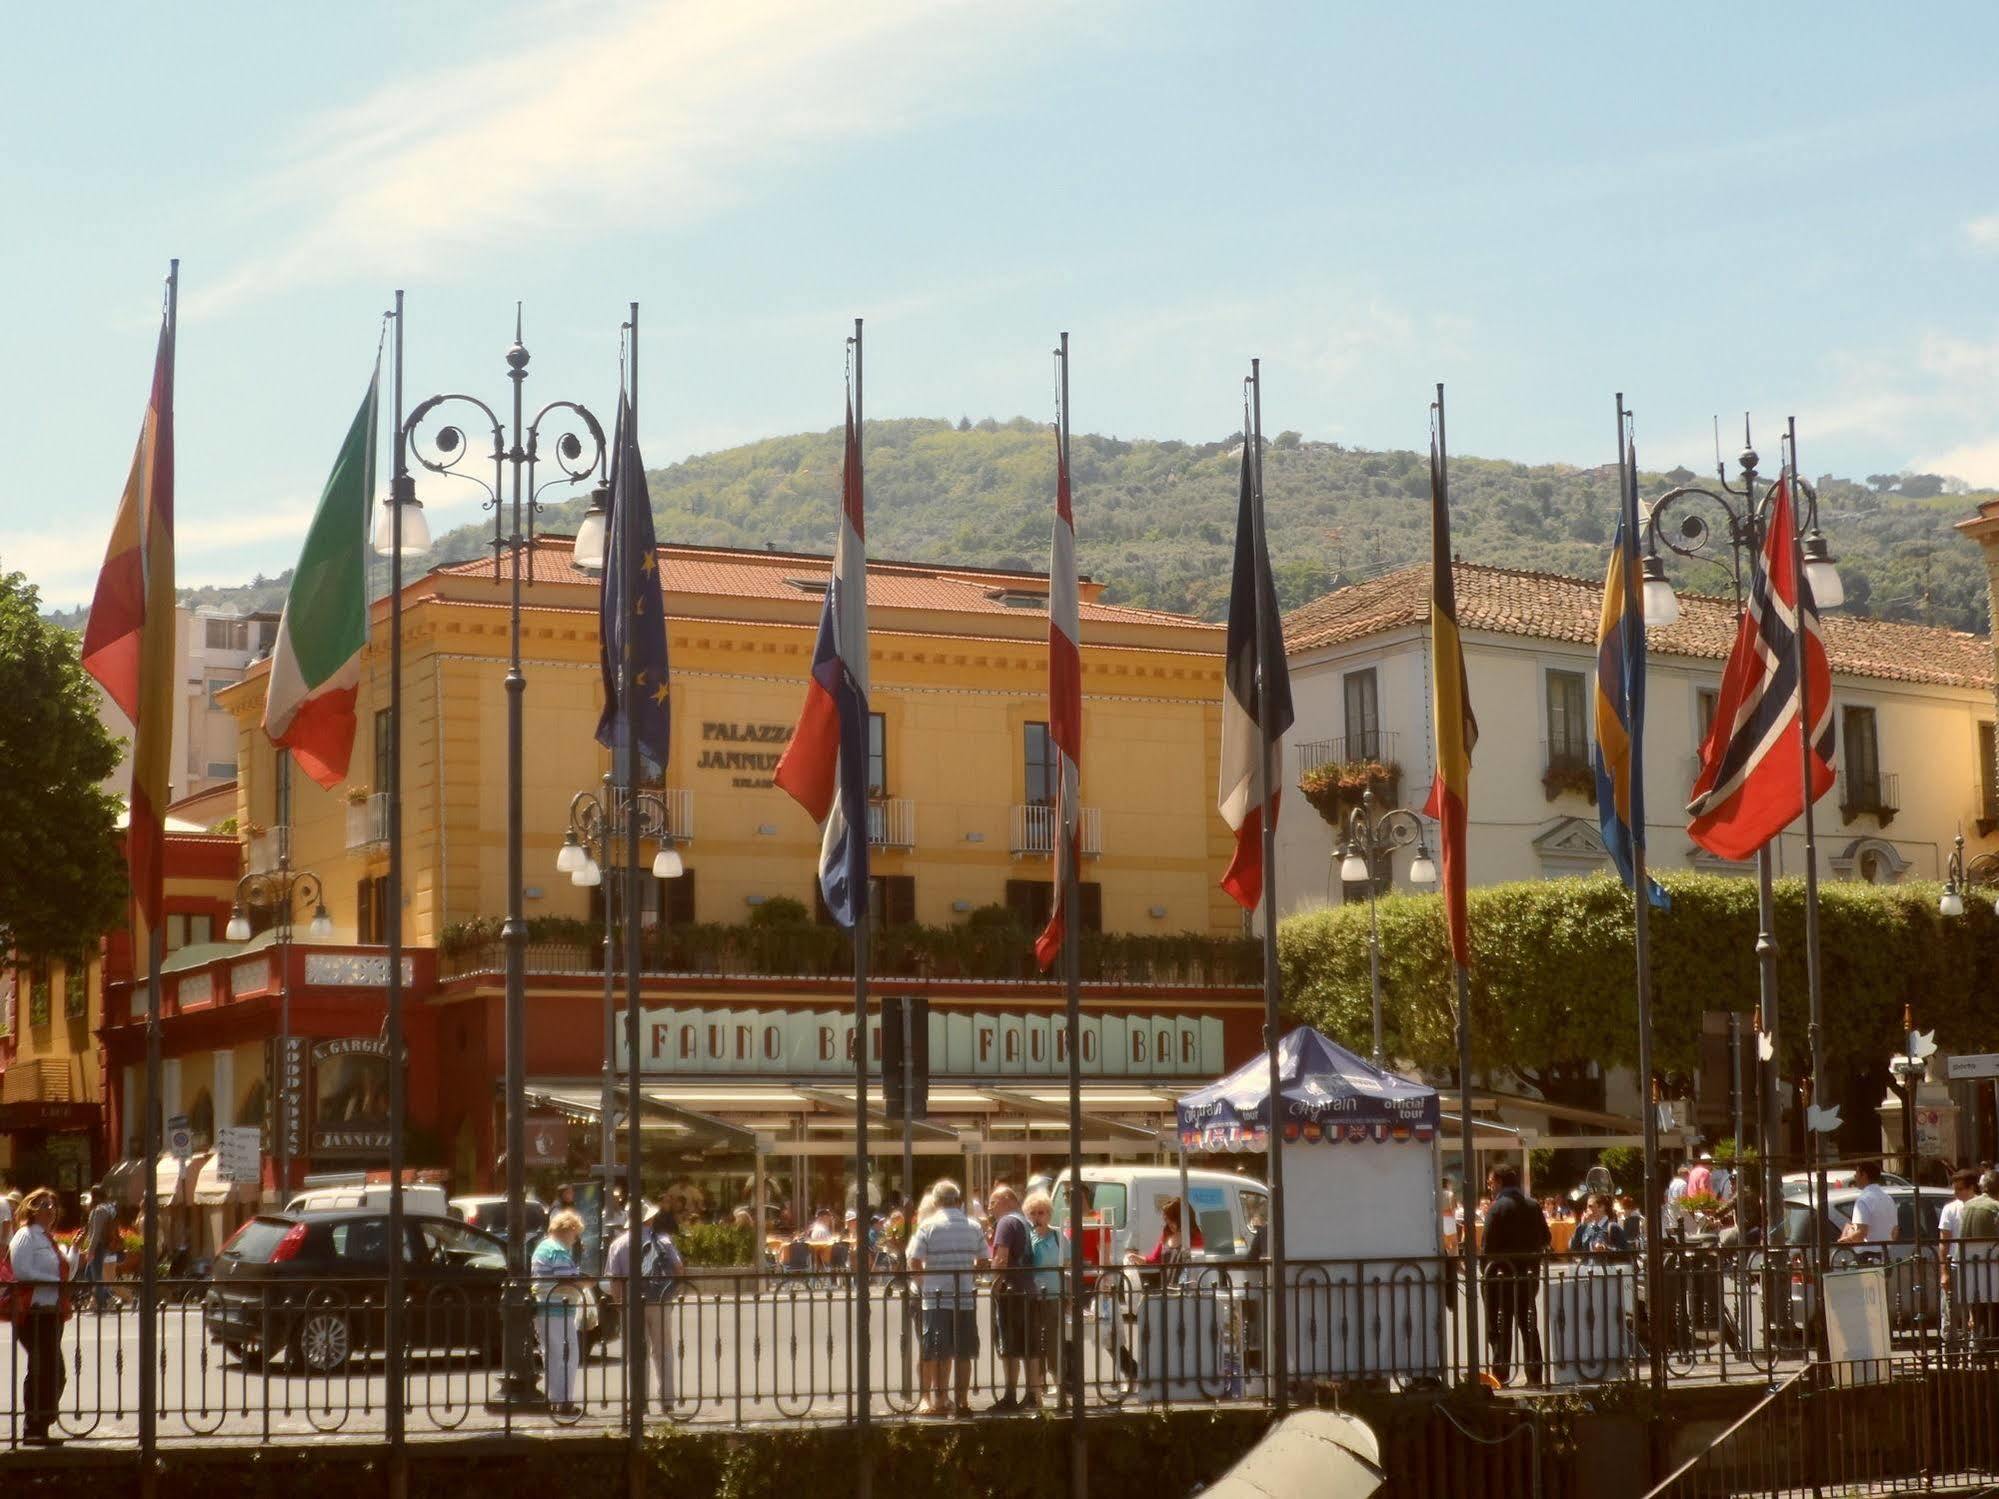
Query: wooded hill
(1155,519)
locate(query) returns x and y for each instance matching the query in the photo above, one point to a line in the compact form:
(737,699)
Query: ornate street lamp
(516,448)
(283,892)
(1677,521)
(1369,840)
(597,819)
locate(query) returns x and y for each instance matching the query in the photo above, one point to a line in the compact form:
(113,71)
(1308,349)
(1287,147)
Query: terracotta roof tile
(715,571)
(1547,606)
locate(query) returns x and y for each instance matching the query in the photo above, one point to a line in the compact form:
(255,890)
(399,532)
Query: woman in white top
(38,1275)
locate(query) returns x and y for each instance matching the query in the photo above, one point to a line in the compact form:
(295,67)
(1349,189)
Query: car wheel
(321,1343)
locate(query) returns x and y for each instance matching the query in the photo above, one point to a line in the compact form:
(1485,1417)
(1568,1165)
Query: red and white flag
(1256,691)
(1065,707)
(1751,781)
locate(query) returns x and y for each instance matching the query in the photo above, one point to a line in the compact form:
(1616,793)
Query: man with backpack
(39,1304)
(660,1269)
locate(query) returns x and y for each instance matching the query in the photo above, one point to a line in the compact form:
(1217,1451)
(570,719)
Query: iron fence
(248,1360)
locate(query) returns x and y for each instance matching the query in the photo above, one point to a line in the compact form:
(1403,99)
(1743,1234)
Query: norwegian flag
(1065,706)
(1750,786)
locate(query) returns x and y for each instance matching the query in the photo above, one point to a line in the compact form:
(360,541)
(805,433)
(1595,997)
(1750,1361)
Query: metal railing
(255,1360)
(892,822)
(1875,795)
(368,821)
(1033,830)
(1349,749)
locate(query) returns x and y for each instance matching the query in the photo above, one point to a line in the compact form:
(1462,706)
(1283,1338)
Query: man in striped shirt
(947,1249)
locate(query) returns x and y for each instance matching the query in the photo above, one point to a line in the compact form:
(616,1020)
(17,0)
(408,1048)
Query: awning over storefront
(212,1189)
(793,1119)
(173,1179)
(125,1182)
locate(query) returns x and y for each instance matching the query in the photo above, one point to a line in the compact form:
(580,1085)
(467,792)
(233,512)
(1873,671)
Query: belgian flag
(1457,729)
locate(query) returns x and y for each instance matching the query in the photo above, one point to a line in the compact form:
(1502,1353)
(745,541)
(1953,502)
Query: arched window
(250,1108)
(201,1120)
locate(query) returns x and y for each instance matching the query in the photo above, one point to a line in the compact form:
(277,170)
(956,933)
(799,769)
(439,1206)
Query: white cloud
(1976,462)
(661,115)
(1983,231)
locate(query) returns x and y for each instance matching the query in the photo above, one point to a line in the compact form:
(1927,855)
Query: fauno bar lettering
(826,1049)
(773,1043)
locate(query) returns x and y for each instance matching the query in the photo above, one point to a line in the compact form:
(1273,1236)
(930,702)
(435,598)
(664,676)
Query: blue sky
(1709,208)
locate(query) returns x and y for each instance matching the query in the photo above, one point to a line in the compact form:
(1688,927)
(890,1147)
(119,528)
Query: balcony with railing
(1034,831)
(1375,746)
(265,849)
(892,822)
(1566,770)
(368,821)
(1869,794)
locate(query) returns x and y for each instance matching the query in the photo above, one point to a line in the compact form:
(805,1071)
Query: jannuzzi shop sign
(800,1043)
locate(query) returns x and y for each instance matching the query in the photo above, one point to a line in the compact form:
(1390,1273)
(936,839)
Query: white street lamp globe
(1950,903)
(1353,869)
(571,858)
(416,530)
(587,873)
(1828,592)
(589,553)
(321,927)
(1423,871)
(238,929)
(666,863)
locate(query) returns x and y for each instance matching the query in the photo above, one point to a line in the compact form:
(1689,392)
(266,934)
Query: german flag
(128,644)
(1457,729)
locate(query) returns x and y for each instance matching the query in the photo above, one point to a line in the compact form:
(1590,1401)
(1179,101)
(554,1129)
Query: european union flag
(1620,696)
(632,612)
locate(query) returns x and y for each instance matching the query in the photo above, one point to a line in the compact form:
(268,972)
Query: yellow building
(962,776)
(958,684)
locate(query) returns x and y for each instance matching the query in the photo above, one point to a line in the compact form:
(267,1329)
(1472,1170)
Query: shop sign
(350,1096)
(748,751)
(180,1138)
(240,1153)
(285,1064)
(548,1140)
(963,1043)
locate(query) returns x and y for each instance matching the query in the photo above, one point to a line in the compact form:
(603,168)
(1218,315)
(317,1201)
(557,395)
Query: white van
(418,1197)
(1130,1199)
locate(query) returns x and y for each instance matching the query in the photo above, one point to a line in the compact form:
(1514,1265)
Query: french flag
(1065,707)
(1256,691)
(825,767)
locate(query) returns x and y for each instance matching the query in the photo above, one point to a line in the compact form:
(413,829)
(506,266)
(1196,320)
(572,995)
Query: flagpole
(1072,985)
(628,567)
(399,482)
(1641,904)
(1814,1027)
(156,953)
(1265,788)
(863,1394)
(1467,1141)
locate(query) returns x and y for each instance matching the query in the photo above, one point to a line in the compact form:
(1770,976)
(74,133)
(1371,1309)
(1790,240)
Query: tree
(1922,486)
(1287,440)
(1882,483)
(62,873)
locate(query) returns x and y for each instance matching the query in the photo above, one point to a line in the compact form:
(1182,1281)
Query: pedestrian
(1599,1232)
(1872,1218)
(1012,1256)
(660,1270)
(558,1290)
(1720,1181)
(1700,1176)
(947,1249)
(1044,1332)
(1950,1229)
(1516,1236)
(101,1233)
(1634,1221)
(1978,1263)
(39,1273)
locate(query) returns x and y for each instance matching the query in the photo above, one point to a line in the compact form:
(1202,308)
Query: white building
(213,647)
(1913,708)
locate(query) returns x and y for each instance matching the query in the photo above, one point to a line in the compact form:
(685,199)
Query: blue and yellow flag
(1620,694)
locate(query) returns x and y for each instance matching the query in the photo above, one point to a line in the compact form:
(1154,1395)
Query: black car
(310,1286)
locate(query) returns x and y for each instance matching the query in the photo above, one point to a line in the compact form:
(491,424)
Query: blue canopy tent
(1328,1096)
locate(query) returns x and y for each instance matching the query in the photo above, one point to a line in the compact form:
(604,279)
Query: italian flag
(316,664)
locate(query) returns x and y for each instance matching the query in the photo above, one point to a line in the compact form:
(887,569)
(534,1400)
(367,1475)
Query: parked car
(418,1197)
(1129,1200)
(489,1214)
(1912,1284)
(308,1287)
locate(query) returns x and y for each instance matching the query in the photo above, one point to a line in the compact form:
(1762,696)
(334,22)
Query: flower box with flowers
(1337,786)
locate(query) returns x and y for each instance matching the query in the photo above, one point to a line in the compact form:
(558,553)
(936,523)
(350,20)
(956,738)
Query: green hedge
(1008,1459)
(1552,969)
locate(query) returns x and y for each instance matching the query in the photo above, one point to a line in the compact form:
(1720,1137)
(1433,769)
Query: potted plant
(1569,778)
(1337,786)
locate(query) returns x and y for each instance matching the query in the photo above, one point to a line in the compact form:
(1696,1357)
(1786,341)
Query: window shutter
(1090,895)
(678,896)
(900,903)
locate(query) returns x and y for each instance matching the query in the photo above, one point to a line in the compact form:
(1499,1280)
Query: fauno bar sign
(963,1043)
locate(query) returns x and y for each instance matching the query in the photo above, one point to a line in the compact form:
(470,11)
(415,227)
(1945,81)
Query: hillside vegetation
(1155,519)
